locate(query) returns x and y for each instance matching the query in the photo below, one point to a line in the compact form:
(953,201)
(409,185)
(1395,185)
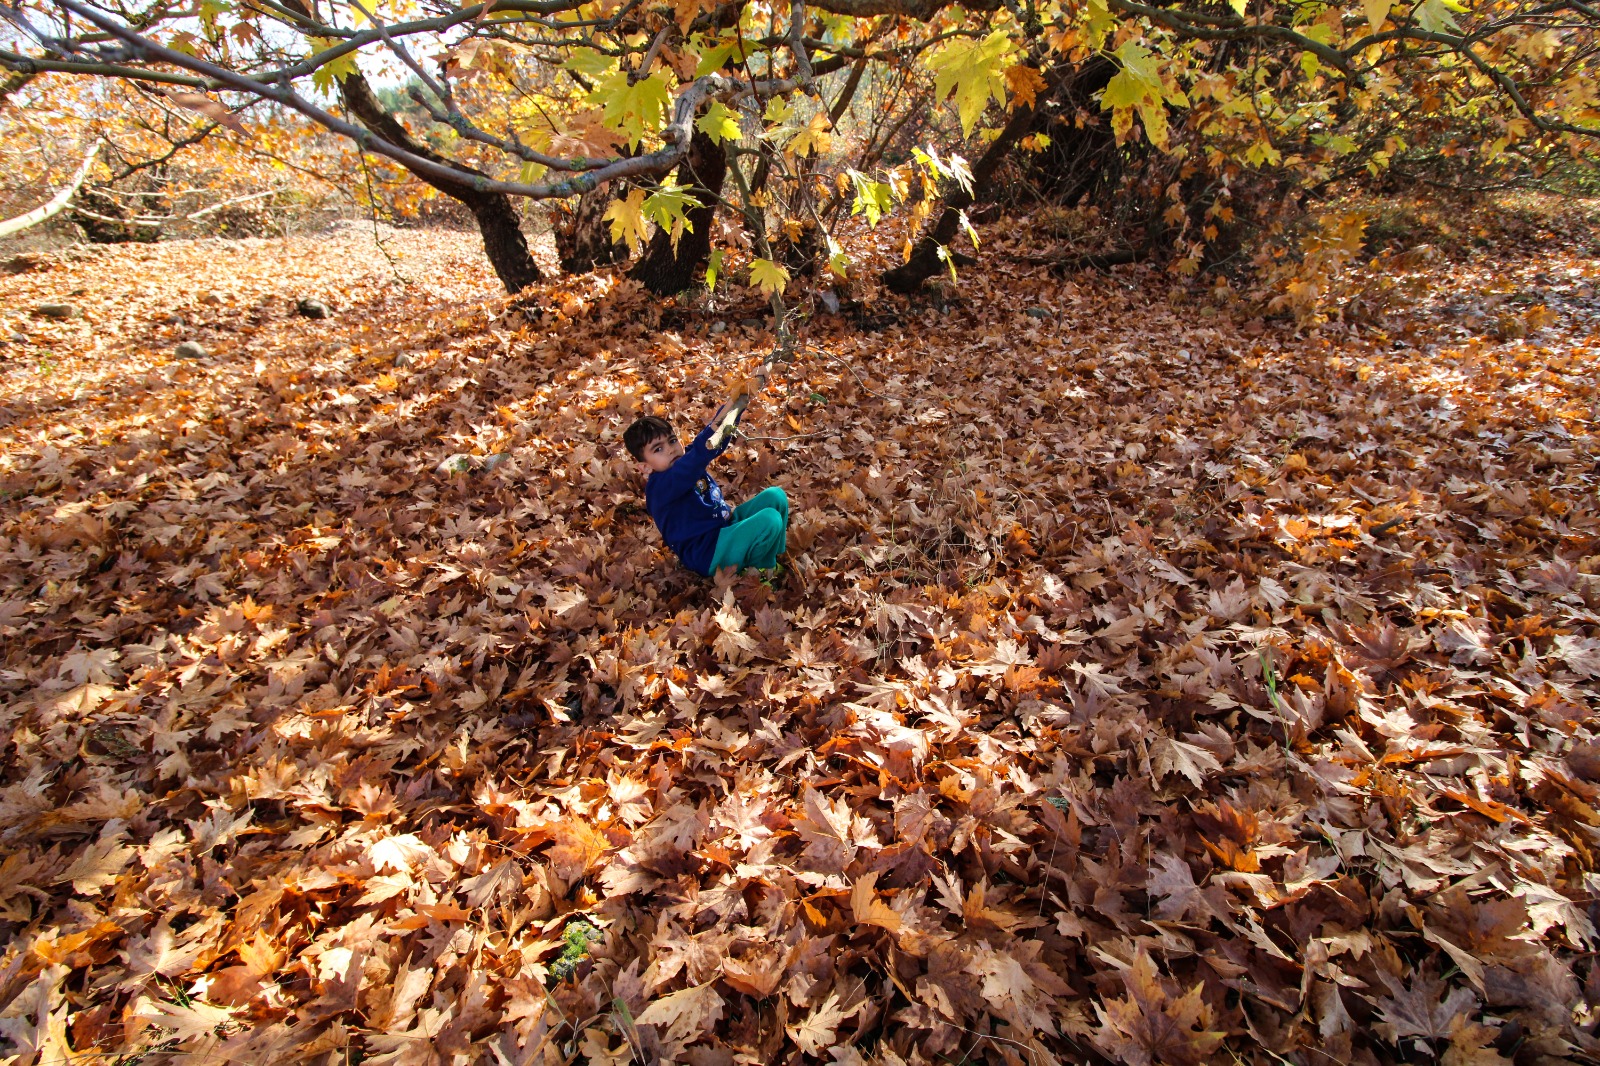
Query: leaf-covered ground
(1145,685)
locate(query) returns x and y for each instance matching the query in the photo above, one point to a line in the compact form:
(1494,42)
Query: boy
(687,504)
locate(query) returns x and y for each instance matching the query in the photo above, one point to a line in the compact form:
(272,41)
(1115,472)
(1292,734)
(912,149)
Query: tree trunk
(664,269)
(503,242)
(497,216)
(848,93)
(583,241)
(925,262)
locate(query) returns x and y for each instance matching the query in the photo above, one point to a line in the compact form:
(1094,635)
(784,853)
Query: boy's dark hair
(642,433)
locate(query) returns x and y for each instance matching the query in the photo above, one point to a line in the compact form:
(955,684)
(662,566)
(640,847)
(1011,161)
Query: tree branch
(27,66)
(16,81)
(797,45)
(54,205)
(653,164)
(1233,28)
(1461,45)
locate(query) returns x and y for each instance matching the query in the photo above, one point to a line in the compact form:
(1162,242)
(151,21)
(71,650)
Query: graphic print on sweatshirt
(710,494)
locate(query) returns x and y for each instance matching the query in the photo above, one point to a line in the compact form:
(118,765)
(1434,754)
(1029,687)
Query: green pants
(757,536)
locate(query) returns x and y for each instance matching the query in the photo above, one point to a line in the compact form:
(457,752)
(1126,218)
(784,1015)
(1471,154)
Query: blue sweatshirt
(687,505)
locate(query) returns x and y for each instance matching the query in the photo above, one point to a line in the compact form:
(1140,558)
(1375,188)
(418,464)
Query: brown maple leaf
(158,953)
(1471,1044)
(868,909)
(586,135)
(1172,882)
(1169,756)
(1148,1027)
(1017,986)
(494,883)
(819,1030)
(579,846)
(757,973)
(684,1015)
(826,829)
(1425,1007)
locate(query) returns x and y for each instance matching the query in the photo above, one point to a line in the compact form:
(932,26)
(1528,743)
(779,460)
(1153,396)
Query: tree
(496,215)
(555,99)
(673,260)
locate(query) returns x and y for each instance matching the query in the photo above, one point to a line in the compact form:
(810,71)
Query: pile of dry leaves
(1143,687)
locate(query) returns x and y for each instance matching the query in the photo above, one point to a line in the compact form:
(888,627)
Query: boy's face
(659,454)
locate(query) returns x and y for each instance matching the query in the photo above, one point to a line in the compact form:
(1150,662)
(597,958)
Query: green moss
(578,935)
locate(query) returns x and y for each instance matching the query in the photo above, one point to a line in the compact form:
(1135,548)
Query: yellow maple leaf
(627,220)
(969,70)
(768,276)
(814,137)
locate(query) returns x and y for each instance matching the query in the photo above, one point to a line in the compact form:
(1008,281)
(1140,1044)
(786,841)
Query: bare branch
(440,91)
(16,81)
(27,66)
(643,70)
(1232,28)
(919,10)
(677,134)
(797,45)
(54,205)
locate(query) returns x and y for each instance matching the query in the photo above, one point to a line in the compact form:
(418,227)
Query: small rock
(459,463)
(751,323)
(718,326)
(211,299)
(492,461)
(1037,312)
(830,300)
(190,350)
(172,319)
(402,359)
(19,338)
(312,309)
(56,311)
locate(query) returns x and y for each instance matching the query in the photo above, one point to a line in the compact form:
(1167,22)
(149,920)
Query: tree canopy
(552,99)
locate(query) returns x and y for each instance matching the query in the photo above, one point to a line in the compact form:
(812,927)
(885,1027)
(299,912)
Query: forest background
(1188,646)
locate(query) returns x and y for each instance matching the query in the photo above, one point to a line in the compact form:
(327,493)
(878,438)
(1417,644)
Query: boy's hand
(734,407)
(724,432)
